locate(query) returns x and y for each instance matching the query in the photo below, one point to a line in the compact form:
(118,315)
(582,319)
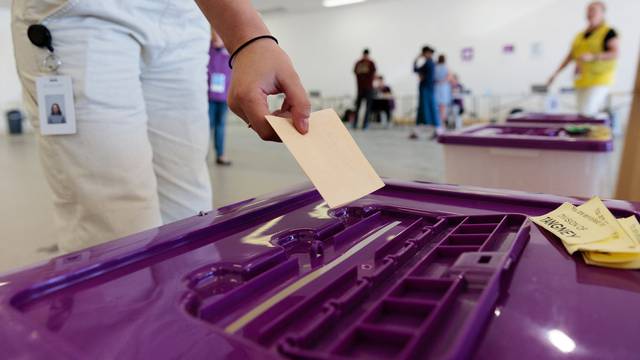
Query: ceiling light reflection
(561,341)
(334,3)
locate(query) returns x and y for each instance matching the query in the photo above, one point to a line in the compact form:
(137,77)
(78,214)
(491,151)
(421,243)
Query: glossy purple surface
(549,137)
(444,272)
(544,118)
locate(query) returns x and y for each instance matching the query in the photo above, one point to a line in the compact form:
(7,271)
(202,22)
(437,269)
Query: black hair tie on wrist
(249,43)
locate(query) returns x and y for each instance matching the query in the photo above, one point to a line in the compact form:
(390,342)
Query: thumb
(296,97)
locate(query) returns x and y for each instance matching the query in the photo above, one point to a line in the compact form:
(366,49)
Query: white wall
(10,91)
(325,44)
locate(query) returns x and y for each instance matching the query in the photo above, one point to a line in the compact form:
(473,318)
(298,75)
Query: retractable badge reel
(40,36)
(56,107)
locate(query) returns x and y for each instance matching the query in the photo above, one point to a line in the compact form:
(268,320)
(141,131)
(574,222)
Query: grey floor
(26,216)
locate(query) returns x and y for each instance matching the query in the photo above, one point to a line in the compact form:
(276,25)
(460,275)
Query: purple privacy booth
(414,270)
(559,119)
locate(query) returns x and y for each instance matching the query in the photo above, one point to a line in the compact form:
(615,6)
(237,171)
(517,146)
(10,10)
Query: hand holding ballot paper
(591,229)
(330,157)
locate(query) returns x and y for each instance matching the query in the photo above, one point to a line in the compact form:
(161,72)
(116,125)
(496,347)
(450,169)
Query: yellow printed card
(631,227)
(574,226)
(596,207)
(592,230)
(621,243)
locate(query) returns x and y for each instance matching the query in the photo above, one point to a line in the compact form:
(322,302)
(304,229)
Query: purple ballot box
(538,158)
(557,119)
(412,271)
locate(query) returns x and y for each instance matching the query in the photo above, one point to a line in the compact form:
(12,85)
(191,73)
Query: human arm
(416,66)
(610,49)
(259,70)
(567,60)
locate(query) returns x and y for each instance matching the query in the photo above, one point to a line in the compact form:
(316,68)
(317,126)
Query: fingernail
(305,125)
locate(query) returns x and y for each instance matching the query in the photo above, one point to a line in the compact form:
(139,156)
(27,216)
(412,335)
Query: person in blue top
(427,110)
(443,88)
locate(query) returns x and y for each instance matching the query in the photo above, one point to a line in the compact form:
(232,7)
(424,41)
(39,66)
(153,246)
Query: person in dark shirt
(384,101)
(427,109)
(365,71)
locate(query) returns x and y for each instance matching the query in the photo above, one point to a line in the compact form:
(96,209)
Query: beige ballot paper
(330,157)
(574,226)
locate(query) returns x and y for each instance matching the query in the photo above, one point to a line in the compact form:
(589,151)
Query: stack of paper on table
(592,230)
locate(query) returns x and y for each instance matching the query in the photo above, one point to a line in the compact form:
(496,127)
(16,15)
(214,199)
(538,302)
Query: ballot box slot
(335,289)
(394,245)
(311,248)
(418,278)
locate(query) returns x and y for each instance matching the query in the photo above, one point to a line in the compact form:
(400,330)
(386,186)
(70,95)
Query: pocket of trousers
(41,11)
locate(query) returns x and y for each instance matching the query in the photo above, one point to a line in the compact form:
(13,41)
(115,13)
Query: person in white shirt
(139,78)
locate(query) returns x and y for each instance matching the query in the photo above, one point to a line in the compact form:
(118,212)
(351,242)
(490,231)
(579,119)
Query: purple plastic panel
(544,118)
(412,271)
(542,137)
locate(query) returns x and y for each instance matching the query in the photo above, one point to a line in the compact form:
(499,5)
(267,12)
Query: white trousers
(591,100)
(139,80)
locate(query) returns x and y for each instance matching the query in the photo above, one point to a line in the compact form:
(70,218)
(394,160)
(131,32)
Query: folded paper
(592,230)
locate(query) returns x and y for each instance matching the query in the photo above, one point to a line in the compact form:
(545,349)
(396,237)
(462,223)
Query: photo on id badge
(55,105)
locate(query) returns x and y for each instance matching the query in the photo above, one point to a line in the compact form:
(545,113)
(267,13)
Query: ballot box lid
(550,118)
(533,136)
(413,270)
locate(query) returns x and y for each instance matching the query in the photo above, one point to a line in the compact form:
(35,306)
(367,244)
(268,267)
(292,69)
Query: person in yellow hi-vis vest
(595,52)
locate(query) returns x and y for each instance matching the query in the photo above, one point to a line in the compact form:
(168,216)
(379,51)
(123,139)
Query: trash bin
(14,122)
(415,270)
(557,119)
(538,158)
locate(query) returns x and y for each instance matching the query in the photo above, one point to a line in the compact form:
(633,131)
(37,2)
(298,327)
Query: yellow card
(613,257)
(631,227)
(625,247)
(596,207)
(603,250)
(330,157)
(599,132)
(591,229)
(633,264)
(574,226)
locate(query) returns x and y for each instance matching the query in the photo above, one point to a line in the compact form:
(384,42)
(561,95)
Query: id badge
(55,105)
(218,82)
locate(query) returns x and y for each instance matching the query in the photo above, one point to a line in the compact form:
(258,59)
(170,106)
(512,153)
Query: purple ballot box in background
(538,158)
(557,119)
(412,271)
